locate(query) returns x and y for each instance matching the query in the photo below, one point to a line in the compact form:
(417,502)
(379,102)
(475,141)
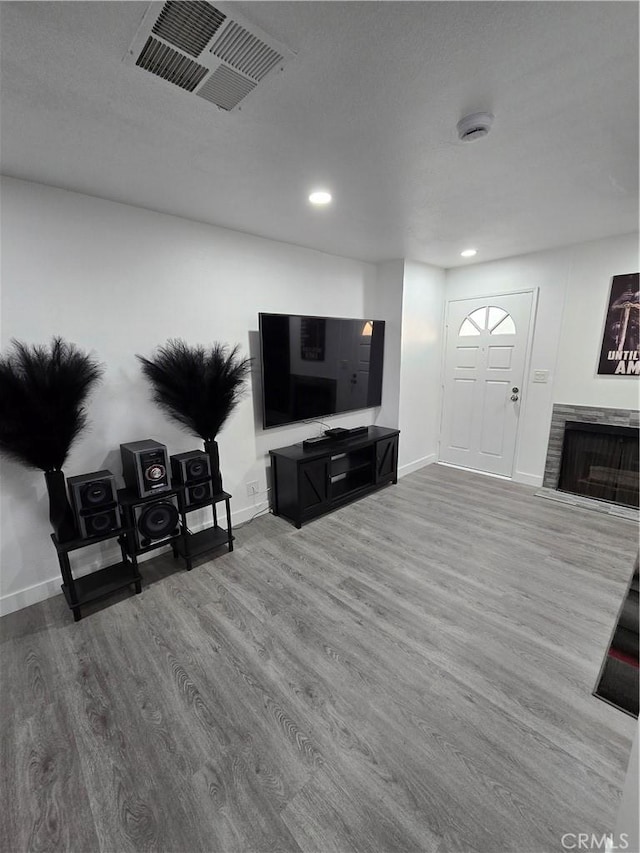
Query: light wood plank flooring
(412,672)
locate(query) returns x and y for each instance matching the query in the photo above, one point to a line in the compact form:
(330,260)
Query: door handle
(515,398)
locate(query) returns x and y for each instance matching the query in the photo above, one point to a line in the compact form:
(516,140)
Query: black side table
(98,584)
(192,545)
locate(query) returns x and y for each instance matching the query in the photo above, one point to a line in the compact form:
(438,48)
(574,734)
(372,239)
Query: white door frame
(528,354)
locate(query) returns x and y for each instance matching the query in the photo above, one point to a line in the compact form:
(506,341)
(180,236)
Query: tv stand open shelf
(310,483)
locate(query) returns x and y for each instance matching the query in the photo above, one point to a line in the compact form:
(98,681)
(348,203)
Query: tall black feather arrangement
(43,390)
(198,387)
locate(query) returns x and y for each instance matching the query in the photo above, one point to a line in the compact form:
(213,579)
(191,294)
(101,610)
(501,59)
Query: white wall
(572,285)
(119,280)
(421,347)
(587,299)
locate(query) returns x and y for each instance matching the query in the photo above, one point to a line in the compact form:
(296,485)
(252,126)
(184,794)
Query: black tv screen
(318,366)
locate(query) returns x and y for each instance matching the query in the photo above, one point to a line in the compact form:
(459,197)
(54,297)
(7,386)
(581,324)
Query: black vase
(211,447)
(60,512)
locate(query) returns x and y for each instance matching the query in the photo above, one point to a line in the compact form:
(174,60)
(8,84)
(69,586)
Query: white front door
(484,371)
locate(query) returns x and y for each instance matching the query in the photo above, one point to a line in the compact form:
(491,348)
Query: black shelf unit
(191,545)
(310,483)
(101,583)
(347,463)
(347,485)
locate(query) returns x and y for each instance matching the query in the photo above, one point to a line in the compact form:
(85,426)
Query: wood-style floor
(412,672)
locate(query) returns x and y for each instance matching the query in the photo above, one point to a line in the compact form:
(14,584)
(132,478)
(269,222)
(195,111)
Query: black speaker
(193,471)
(95,503)
(145,467)
(155,521)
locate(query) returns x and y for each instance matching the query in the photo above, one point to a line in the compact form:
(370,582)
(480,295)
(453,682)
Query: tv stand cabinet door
(313,485)
(387,460)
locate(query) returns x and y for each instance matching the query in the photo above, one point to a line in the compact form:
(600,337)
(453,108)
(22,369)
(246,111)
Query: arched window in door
(489,318)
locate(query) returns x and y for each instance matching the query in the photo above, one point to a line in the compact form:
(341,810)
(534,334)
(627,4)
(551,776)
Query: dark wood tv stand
(310,483)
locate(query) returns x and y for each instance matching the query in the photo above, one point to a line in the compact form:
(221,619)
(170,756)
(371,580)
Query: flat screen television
(318,366)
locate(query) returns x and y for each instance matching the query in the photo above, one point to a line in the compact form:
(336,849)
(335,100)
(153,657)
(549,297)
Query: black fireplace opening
(600,461)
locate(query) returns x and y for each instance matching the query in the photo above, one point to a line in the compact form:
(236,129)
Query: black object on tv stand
(308,483)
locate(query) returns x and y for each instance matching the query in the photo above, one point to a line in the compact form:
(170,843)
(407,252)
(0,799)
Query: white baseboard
(415,466)
(518,477)
(474,471)
(30,595)
(47,589)
(527,479)
(247,513)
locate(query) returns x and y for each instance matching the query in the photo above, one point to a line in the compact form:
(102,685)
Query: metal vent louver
(167,63)
(188,25)
(245,52)
(225,88)
(233,56)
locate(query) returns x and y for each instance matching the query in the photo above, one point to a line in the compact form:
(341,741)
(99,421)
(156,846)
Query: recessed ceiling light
(320,197)
(469,253)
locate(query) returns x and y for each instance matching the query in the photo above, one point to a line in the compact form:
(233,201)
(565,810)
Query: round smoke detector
(474,126)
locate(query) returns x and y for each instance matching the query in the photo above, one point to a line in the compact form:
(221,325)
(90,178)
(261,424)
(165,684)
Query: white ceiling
(368,108)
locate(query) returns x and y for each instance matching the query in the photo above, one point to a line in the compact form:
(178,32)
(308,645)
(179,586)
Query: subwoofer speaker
(155,521)
(95,504)
(193,471)
(145,467)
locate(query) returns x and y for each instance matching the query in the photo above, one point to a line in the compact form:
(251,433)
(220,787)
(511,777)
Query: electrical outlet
(252,488)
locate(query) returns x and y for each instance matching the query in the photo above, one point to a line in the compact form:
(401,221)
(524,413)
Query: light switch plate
(540,375)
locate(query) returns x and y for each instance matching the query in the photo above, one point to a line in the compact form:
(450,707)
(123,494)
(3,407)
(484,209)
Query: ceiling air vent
(225,88)
(187,25)
(170,65)
(233,56)
(245,52)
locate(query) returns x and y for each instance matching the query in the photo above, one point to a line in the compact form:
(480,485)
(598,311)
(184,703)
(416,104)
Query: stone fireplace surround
(585,414)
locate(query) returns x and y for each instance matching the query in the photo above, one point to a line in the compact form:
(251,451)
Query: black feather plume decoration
(42,395)
(198,387)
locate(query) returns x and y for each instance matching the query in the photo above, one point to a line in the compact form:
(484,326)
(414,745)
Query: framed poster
(619,353)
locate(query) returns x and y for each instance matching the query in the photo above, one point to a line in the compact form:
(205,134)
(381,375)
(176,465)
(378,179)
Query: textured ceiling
(367,108)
